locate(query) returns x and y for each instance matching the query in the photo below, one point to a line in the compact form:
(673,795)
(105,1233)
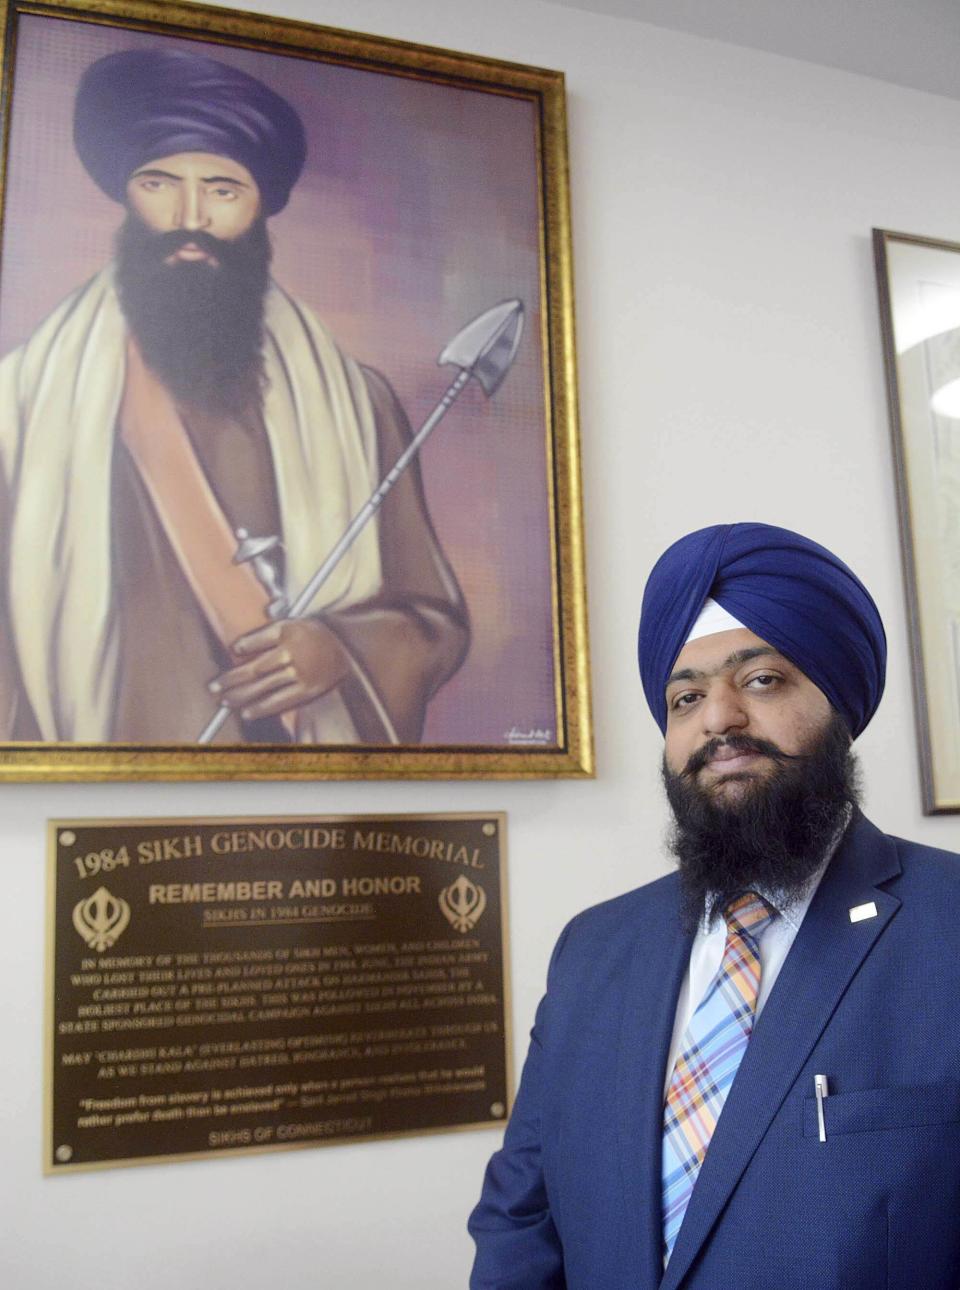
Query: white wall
(730,369)
(908,42)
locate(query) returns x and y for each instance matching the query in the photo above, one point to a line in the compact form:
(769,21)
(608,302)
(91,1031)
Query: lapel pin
(861,912)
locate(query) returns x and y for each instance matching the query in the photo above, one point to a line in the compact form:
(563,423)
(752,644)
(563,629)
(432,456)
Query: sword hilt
(258,553)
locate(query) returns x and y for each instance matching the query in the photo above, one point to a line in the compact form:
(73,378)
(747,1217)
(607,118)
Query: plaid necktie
(711,1052)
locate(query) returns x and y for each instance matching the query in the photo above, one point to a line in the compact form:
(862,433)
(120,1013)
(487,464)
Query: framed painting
(289,475)
(919,281)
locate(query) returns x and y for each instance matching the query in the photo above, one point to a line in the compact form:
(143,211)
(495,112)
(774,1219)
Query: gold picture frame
(919,284)
(439,183)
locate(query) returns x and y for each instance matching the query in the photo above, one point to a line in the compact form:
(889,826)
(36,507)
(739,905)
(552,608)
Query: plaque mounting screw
(67,838)
(63,1154)
(497,1110)
(490,829)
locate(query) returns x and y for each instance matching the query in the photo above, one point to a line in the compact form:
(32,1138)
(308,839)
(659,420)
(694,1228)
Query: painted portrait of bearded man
(226,277)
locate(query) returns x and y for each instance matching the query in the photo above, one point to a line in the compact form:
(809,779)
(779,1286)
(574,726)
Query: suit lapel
(660,961)
(824,957)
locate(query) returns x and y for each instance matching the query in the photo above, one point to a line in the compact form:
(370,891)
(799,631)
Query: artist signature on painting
(532,736)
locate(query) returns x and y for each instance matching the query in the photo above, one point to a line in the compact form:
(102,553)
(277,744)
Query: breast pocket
(873,1109)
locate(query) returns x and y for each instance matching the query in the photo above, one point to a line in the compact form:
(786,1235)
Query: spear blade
(487,346)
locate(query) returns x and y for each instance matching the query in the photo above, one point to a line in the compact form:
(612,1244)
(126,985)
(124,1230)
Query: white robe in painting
(60,394)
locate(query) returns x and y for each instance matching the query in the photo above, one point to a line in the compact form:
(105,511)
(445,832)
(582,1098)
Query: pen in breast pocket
(822,1090)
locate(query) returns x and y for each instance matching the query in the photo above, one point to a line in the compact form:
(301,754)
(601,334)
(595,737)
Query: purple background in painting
(418,209)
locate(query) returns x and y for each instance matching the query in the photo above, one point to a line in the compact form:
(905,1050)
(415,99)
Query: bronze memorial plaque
(217,986)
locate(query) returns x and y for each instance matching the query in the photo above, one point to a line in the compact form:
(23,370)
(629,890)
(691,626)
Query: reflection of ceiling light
(946,400)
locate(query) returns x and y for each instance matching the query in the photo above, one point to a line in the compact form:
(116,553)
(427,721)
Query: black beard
(199,327)
(774,837)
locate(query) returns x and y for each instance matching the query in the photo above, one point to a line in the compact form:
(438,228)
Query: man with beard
(746,1073)
(178,402)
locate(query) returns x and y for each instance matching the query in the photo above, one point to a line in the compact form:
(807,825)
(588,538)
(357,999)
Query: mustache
(740,744)
(162,245)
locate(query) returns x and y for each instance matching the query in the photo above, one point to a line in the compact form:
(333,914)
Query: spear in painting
(483,350)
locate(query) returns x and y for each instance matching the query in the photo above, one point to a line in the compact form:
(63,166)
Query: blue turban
(140,104)
(791,592)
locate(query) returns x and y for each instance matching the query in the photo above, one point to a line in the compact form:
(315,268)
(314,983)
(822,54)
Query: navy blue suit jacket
(573,1199)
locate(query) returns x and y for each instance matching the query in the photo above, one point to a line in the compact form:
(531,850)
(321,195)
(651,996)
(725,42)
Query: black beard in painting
(199,324)
(773,836)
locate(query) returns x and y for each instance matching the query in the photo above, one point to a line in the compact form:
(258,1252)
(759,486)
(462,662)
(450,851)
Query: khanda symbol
(462,903)
(101,919)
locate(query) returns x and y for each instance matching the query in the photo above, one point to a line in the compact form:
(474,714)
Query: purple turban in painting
(141,104)
(791,592)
